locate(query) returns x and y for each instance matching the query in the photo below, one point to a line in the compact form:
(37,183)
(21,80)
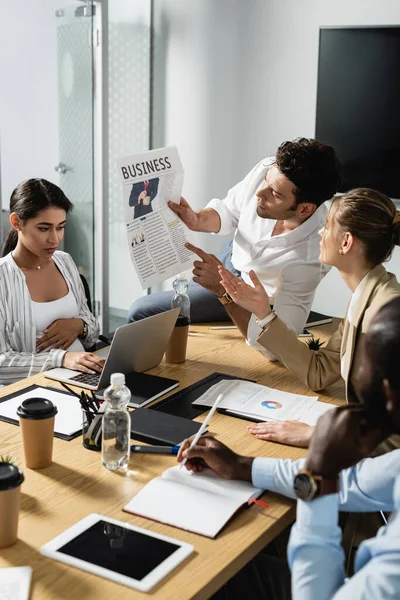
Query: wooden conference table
(76,484)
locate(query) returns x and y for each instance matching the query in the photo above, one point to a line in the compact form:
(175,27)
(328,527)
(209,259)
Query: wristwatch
(308,486)
(226,298)
(266,320)
(85,330)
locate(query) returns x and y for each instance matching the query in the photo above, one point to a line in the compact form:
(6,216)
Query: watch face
(304,486)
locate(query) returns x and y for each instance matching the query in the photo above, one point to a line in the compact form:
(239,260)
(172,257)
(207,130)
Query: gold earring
(341,251)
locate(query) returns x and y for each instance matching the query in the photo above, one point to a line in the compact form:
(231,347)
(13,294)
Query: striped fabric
(18,358)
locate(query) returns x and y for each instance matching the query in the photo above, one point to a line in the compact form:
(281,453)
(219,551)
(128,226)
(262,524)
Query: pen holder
(91,430)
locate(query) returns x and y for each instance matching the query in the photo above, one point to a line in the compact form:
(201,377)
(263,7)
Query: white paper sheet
(258,401)
(68,419)
(316,411)
(15,583)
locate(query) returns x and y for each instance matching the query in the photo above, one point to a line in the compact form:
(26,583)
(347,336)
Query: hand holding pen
(204,425)
(209,452)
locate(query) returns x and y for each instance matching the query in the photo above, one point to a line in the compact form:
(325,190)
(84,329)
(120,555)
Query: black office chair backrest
(87,292)
(103,340)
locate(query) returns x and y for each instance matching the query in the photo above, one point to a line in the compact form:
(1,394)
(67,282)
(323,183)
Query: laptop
(138,346)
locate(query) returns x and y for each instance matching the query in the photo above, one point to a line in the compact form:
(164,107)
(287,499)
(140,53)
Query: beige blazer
(318,369)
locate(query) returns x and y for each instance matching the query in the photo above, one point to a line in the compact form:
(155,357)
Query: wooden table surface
(77,484)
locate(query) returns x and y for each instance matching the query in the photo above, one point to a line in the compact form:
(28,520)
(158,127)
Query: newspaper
(156,235)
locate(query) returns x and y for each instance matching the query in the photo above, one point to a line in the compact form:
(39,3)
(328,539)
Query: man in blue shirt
(334,476)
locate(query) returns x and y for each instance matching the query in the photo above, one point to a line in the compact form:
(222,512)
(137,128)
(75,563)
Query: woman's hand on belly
(83,361)
(60,334)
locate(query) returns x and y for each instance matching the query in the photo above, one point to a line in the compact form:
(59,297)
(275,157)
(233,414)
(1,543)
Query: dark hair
(28,199)
(382,347)
(312,167)
(372,218)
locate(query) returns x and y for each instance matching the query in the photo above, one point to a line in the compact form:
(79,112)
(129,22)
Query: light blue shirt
(315,554)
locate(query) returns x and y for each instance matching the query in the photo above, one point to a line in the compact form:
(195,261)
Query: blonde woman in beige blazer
(360,232)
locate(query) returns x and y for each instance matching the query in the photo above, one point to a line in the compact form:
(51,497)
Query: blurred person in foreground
(335,476)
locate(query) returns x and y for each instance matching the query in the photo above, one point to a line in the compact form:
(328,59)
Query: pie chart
(271,404)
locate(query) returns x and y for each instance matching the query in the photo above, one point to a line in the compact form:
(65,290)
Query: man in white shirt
(275,213)
(334,476)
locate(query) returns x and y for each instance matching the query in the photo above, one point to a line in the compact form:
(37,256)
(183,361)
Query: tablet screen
(119,549)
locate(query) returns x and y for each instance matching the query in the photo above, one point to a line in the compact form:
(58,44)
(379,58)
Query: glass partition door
(75,103)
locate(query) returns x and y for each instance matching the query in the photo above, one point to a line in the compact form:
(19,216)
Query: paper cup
(10,491)
(176,349)
(36,418)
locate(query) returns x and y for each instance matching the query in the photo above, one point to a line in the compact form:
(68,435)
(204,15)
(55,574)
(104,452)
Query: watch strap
(226,298)
(326,486)
(266,320)
(85,331)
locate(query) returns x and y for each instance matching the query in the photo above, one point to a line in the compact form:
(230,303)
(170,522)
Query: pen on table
(204,425)
(156,449)
(224,327)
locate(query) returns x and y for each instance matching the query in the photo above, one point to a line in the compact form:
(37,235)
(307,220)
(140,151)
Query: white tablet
(118,551)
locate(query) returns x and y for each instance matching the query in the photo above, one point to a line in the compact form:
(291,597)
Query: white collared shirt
(287,264)
(350,316)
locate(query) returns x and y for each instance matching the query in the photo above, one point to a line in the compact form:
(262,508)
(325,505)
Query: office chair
(103,340)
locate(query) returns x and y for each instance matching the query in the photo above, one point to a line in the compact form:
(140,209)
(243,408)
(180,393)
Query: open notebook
(199,502)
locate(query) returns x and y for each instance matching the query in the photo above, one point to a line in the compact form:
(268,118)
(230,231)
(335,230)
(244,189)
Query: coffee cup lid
(36,408)
(10,476)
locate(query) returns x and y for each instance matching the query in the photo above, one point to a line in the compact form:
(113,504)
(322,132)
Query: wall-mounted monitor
(358,104)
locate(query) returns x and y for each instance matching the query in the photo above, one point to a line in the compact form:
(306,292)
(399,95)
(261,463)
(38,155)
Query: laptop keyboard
(87,378)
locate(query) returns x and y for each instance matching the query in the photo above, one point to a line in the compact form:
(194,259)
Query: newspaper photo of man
(141,196)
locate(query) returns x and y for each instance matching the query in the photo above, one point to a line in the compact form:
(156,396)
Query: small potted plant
(314,343)
(8,458)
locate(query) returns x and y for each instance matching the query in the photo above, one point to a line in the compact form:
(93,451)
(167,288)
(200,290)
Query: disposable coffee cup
(176,349)
(10,492)
(36,418)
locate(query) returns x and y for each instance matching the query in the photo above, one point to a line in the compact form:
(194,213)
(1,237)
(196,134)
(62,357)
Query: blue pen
(156,449)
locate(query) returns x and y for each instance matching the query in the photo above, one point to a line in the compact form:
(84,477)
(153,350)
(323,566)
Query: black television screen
(358,104)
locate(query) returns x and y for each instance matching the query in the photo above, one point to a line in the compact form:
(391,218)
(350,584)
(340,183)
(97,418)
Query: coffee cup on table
(36,419)
(10,492)
(176,349)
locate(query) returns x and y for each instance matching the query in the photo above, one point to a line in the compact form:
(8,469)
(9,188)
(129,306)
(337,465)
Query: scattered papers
(156,235)
(247,399)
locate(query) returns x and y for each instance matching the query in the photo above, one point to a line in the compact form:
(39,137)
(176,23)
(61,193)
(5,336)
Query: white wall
(239,78)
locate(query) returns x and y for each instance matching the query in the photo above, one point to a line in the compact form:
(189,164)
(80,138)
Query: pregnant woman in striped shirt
(45,321)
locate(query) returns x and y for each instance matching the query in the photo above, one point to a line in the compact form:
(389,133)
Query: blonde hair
(372,218)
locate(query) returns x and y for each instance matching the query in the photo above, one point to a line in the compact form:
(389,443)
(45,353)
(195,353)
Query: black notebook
(145,388)
(155,427)
(315,319)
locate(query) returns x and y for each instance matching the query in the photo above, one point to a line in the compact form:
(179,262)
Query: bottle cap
(117,379)
(181,276)
(10,476)
(182,321)
(36,409)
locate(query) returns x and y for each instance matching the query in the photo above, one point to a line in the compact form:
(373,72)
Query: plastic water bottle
(181,299)
(116,425)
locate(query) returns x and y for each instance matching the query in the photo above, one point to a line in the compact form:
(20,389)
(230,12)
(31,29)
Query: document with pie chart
(255,401)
